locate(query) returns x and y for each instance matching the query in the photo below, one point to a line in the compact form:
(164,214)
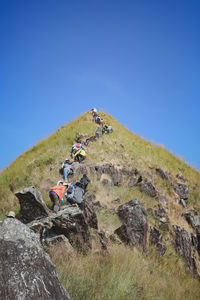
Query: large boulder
(71,223)
(26,271)
(32,206)
(181,189)
(134,228)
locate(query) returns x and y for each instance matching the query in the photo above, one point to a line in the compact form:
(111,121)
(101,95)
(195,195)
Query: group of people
(103,127)
(72,193)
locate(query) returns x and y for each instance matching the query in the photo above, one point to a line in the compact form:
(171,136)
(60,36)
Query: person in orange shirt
(56,194)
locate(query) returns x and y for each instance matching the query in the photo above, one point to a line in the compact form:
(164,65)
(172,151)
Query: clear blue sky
(137,60)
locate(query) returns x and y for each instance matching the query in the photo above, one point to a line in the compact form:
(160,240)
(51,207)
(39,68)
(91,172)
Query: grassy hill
(125,273)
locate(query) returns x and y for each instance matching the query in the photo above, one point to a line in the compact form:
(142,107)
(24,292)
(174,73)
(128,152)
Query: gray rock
(148,188)
(180,177)
(103,240)
(183,245)
(181,189)
(192,218)
(32,206)
(163,174)
(155,236)
(72,223)
(89,212)
(135,226)
(162,199)
(183,203)
(161,248)
(60,239)
(164,220)
(26,271)
(160,212)
(132,182)
(109,169)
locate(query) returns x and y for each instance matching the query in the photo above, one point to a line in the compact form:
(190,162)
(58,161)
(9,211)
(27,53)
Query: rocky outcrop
(32,206)
(184,245)
(180,177)
(163,174)
(89,212)
(135,226)
(156,239)
(109,169)
(181,189)
(192,218)
(71,223)
(26,271)
(148,188)
(60,239)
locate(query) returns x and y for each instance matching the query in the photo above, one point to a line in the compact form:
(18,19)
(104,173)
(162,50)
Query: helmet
(11,214)
(78,145)
(59,182)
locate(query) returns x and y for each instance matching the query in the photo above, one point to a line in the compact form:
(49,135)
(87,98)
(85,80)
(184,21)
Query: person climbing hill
(76,190)
(94,112)
(76,147)
(66,169)
(56,194)
(79,155)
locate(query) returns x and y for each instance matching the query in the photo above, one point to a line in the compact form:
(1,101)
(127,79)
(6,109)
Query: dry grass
(124,274)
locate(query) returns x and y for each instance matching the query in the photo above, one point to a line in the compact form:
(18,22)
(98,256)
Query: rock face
(26,272)
(32,206)
(181,189)
(135,226)
(109,169)
(89,212)
(148,188)
(183,245)
(71,223)
(192,218)
(156,239)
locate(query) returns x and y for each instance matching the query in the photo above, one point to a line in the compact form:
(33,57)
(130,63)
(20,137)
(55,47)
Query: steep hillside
(121,167)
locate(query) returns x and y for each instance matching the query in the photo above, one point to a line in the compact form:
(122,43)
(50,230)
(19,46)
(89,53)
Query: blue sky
(137,60)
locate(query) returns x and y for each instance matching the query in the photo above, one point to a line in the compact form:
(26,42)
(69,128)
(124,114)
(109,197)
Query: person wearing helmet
(56,194)
(67,169)
(76,147)
(79,155)
(11,215)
